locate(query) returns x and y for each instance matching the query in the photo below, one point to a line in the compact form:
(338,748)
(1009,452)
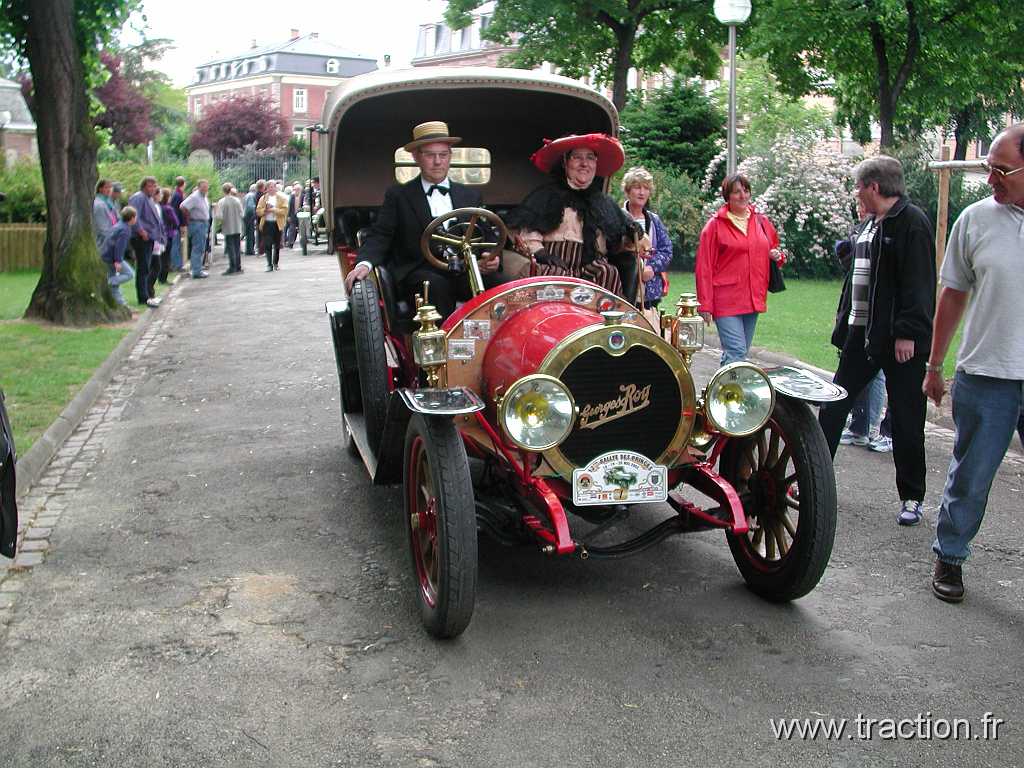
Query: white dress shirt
(439,202)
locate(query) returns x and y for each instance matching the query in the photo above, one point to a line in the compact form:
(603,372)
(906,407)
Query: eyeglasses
(992,169)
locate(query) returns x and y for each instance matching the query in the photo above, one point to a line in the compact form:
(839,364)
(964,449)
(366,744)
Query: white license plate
(619,477)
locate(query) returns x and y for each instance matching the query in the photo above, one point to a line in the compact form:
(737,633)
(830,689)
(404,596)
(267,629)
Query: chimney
(314,34)
(252,45)
(295,35)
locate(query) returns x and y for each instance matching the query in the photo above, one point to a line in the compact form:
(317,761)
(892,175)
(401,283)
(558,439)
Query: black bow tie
(439,188)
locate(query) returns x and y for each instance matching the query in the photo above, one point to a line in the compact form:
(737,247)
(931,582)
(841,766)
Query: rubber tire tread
(368,326)
(456,525)
(817,526)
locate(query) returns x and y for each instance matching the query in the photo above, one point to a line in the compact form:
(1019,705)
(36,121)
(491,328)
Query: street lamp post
(732,12)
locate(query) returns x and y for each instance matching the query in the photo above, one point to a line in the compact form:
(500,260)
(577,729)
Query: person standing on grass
(195,210)
(104,215)
(148,230)
(982,275)
(733,266)
(231,215)
(884,321)
(113,251)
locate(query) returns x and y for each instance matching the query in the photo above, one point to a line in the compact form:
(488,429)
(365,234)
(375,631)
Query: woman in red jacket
(732,268)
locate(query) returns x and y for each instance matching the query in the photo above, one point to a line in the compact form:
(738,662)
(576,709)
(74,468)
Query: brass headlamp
(429,343)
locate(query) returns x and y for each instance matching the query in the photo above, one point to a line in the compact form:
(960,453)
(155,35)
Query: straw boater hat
(610,156)
(430,133)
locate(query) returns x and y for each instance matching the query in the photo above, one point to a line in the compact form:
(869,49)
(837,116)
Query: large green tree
(676,128)
(61,41)
(902,63)
(768,114)
(603,38)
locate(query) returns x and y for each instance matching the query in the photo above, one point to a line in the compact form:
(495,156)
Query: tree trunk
(963,125)
(625,37)
(73,288)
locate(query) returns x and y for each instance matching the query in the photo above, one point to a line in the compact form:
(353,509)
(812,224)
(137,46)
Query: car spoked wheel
(783,475)
(440,520)
(374,374)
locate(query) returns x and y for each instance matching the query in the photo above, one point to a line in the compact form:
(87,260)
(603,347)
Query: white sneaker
(154,302)
(880,444)
(852,438)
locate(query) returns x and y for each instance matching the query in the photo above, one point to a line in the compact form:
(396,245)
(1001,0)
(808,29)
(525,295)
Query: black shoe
(228,272)
(948,582)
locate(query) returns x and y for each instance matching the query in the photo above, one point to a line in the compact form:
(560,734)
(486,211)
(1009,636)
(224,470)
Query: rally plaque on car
(619,477)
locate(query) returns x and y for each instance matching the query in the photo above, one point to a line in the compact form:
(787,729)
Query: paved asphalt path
(225,588)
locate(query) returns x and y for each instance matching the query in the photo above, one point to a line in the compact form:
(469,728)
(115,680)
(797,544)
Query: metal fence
(21,246)
(247,169)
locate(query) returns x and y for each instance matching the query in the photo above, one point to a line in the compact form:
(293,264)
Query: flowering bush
(805,190)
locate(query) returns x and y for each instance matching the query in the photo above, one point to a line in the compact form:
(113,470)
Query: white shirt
(984,258)
(439,203)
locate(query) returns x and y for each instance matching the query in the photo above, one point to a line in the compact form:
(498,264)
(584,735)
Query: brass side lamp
(687,326)
(429,343)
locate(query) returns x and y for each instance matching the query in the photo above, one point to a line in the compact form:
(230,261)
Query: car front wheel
(440,521)
(784,477)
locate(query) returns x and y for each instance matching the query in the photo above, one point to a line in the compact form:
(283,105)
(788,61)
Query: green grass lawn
(798,321)
(42,367)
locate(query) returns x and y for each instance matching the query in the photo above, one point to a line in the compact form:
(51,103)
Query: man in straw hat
(407,210)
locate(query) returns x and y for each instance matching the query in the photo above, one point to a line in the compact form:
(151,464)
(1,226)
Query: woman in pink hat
(570,226)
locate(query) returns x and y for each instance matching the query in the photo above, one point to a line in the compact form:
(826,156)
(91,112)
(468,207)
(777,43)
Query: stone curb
(30,466)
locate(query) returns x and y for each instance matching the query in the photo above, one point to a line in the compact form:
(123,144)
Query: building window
(470,165)
(332,66)
(197,109)
(299,100)
(299,132)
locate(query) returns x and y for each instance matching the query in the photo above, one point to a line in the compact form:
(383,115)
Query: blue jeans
(115,279)
(197,244)
(174,243)
(867,410)
(736,333)
(985,411)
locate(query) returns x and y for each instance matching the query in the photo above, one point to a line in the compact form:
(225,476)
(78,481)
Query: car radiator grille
(597,378)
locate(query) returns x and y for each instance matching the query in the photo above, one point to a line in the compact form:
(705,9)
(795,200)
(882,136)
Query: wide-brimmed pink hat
(610,156)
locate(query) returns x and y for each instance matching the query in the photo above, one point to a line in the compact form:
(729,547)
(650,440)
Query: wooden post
(942,214)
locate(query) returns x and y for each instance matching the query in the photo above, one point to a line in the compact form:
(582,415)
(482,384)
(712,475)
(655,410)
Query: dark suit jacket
(394,239)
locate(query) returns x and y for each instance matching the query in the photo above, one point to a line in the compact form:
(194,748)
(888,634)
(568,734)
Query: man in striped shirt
(884,321)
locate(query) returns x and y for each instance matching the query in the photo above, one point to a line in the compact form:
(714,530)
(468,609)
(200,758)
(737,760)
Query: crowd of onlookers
(158,231)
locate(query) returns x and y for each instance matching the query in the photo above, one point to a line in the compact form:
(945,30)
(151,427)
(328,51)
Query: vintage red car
(546,409)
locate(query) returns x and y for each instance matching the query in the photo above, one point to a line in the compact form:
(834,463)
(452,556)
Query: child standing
(112,253)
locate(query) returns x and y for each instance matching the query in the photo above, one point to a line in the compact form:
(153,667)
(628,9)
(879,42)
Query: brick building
(17,128)
(296,75)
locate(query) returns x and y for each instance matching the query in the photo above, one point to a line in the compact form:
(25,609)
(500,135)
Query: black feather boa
(542,211)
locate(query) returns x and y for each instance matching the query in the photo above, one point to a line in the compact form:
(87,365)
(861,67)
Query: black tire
(784,477)
(438,494)
(373,365)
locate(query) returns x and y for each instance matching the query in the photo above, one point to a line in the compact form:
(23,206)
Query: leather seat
(398,311)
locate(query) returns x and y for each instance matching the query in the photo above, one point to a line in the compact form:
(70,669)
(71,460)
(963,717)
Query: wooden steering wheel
(456,238)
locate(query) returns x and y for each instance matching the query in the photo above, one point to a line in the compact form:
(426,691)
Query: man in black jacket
(884,321)
(395,237)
